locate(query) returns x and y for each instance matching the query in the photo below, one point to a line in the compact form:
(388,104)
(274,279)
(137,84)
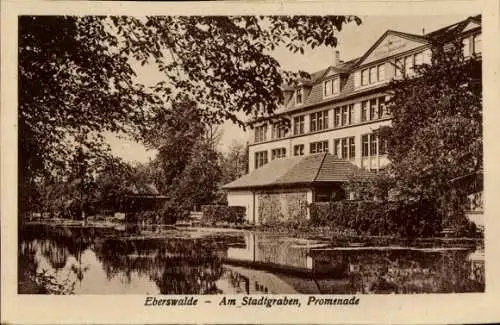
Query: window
(331,87)
(373,108)
(373,75)
(344,115)
(327,85)
(299,94)
(344,148)
(365,77)
(381,107)
(352,148)
(381,72)
(279,131)
(260,159)
(298,125)
(278,153)
(351,113)
(364,110)
(336,85)
(477,44)
(408,63)
(373,145)
(364,145)
(261,133)
(319,121)
(298,150)
(317,147)
(336,117)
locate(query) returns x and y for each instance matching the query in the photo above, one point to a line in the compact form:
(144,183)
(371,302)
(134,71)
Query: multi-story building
(339,109)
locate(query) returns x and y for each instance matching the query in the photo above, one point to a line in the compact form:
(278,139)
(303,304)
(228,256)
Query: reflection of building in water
(257,282)
(279,265)
(271,252)
(246,253)
(285,254)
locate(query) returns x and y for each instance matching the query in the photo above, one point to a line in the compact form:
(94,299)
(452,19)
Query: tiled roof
(304,171)
(317,168)
(266,175)
(334,169)
(313,93)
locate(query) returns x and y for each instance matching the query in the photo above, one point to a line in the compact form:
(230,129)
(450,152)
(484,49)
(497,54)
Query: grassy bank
(340,237)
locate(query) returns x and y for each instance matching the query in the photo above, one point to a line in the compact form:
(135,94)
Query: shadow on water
(81,260)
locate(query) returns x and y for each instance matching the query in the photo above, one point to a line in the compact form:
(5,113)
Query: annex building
(334,119)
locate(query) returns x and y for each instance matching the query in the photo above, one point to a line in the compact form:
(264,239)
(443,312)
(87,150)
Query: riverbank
(300,231)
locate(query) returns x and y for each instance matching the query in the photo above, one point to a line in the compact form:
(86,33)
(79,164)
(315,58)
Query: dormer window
(331,87)
(299,96)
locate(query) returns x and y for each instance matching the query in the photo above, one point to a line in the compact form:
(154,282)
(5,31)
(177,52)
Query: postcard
(249,162)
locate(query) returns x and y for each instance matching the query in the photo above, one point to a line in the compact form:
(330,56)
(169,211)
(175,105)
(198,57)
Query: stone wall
(282,207)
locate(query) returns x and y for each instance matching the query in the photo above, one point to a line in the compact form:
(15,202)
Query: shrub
(223,213)
(166,215)
(169,213)
(416,219)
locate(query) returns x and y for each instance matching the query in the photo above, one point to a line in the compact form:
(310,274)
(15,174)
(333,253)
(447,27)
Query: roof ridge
(409,34)
(320,165)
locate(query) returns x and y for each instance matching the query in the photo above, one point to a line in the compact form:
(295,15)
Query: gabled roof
(455,28)
(302,170)
(413,37)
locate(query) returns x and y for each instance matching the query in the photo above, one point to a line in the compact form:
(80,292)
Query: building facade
(338,112)
(341,106)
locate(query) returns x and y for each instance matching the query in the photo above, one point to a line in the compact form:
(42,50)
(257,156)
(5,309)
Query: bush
(169,213)
(223,213)
(166,215)
(416,219)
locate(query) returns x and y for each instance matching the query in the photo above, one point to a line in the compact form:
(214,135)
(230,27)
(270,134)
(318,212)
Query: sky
(353,41)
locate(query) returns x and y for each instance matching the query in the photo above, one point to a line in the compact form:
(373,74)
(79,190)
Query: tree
(73,85)
(114,179)
(176,134)
(436,131)
(198,183)
(369,187)
(77,78)
(235,162)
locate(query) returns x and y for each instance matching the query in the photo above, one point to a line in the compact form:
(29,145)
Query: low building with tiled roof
(312,170)
(339,109)
(300,179)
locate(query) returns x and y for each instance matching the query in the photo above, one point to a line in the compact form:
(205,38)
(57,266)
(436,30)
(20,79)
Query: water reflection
(125,260)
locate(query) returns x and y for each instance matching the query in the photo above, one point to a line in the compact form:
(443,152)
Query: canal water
(121,260)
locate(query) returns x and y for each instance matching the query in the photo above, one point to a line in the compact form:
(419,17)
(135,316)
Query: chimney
(336,58)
